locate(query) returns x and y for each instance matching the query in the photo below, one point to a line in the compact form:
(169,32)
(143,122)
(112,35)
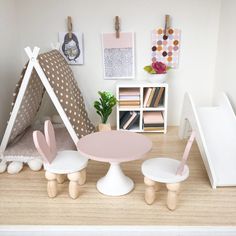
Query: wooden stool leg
(173,190)
(73,185)
(52,184)
(61,178)
(157,187)
(82,178)
(150,192)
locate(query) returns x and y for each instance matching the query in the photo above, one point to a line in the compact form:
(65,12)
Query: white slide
(215,128)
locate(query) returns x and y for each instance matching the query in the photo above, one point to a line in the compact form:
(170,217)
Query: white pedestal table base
(115,183)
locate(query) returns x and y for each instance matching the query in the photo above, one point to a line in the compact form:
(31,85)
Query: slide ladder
(215,128)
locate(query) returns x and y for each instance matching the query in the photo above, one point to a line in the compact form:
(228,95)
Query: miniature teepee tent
(47,72)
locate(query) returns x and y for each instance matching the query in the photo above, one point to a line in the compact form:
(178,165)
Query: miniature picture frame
(71,47)
(118,56)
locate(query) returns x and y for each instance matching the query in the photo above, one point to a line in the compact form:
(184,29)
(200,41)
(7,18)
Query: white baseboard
(25,230)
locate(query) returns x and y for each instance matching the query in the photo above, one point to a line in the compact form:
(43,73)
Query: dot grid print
(165,47)
(61,79)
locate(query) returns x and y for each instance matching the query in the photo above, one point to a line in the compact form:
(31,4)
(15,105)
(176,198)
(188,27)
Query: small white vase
(157,78)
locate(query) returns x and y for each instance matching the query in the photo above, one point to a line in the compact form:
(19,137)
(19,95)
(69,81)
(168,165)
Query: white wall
(9,58)
(226,63)
(40,21)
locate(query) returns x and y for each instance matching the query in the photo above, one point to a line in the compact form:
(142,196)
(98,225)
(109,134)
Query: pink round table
(114,147)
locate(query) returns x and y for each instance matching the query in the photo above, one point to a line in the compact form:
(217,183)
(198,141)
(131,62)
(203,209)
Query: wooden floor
(23,197)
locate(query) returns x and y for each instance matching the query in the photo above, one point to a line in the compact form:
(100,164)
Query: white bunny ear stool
(59,164)
(168,171)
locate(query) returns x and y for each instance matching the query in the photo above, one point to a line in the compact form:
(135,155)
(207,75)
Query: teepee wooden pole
(32,58)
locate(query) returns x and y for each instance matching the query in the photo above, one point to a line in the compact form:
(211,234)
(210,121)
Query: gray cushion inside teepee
(24,149)
(60,77)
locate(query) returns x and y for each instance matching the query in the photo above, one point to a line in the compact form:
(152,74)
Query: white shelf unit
(142,86)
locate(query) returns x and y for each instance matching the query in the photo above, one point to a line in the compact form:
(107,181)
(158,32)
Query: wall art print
(72,48)
(166,47)
(118,55)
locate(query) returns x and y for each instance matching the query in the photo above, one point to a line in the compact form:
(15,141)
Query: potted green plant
(104,107)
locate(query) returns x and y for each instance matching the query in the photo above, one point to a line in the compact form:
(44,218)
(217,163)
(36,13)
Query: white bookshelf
(142,85)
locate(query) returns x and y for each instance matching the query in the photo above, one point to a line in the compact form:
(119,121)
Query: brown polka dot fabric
(29,106)
(61,78)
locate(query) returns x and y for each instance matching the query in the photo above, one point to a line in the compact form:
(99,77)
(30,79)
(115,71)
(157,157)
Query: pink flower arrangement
(157,67)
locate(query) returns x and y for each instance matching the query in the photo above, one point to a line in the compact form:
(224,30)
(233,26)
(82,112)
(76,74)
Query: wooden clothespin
(167,23)
(69,26)
(117,27)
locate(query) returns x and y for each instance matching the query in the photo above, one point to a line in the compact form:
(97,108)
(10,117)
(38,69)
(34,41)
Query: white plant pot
(157,78)
(104,127)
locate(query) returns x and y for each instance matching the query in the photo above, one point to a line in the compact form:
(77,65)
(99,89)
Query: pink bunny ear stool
(58,165)
(168,171)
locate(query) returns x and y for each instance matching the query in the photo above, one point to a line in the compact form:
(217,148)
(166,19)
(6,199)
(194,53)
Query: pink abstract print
(165,47)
